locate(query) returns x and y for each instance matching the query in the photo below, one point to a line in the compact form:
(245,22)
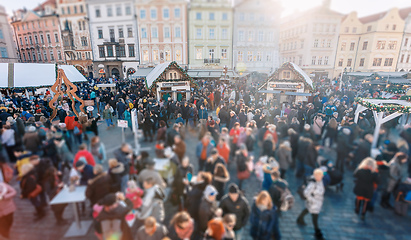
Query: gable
(30,16)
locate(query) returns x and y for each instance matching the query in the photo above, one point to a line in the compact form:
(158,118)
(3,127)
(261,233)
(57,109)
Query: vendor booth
(288,84)
(170,80)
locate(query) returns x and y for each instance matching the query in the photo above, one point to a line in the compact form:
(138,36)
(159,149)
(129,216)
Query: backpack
(287,199)
(76,131)
(301,189)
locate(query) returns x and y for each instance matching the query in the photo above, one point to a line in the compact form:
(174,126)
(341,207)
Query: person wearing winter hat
(235,203)
(208,208)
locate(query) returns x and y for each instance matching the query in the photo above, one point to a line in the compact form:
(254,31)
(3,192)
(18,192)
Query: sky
(363,7)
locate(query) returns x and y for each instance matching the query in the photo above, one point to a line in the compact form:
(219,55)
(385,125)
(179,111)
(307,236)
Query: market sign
(173,84)
(286,85)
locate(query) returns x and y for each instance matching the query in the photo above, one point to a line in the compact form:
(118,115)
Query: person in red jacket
(83,152)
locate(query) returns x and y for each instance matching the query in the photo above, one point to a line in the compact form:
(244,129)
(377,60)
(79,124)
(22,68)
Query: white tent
(34,74)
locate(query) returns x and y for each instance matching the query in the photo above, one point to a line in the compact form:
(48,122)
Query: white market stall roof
(141,72)
(205,73)
(286,93)
(155,74)
(303,74)
(16,75)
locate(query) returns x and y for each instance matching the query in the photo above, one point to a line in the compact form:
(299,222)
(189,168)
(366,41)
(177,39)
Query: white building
(256,30)
(404,61)
(7,44)
(114,37)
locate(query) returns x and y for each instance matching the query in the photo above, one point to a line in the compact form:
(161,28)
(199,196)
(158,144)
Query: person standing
(151,230)
(108,116)
(7,208)
(314,194)
(181,226)
(203,151)
(8,140)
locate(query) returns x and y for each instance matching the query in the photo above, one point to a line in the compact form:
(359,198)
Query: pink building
(38,34)
(162,26)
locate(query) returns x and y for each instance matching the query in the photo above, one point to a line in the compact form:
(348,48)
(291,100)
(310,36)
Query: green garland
(406,98)
(396,90)
(391,108)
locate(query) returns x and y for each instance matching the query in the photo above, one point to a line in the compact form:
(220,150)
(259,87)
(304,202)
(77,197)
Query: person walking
(314,194)
(7,208)
(108,116)
(181,226)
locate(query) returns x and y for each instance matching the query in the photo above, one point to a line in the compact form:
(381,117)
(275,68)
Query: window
(212,16)
(352,46)
(120,32)
(75,9)
(271,36)
(166,32)
(329,43)
(34,56)
(118,10)
(121,51)
(369,28)
(394,27)
(112,35)
(211,33)
(131,52)
(260,36)
(177,32)
(313,60)
(388,62)
(320,60)
(343,46)
(142,14)
(347,29)
(402,58)
(242,17)
(251,17)
(178,55)
(128,10)
(323,43)
(316,43)
(84,25)
(198,16)
(405,42)
(41,39)
(48,38)
(326,60)
(362,62)
(225,17)
(224,53)
(143,33)
(36,39)
(168,55)
(380,44)
(45,55)
(259,57)
(177,12)
(56,37)
(269,57)
(349,61)
(25,40)
(408,58)
(340,62)
(100,33)
(377,62)
(302,43)
(250,56)
(68,10)
(84,41)
(21,41)
(30,40)
(199,53)
(101,52)
(109,11)
(154,32)
(153,13)
(3,52)
(199,33)
(79,25)
(354,30)
(39,55)
(240,56)
(224,33)
(51,55)
(24,57)
(364,45)
(145,56)
(81,9)
(62,11)
(58,55)
(129,32)
(387,27)
(166,13)
(241,35)
(250,36)
(110,52)
(392,45)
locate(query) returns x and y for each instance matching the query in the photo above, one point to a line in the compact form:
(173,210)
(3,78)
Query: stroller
(332,176)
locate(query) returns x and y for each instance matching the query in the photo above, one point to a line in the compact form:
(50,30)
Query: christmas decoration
(406,98)
(395,90)
(162,77)
(288,66)
(390,108)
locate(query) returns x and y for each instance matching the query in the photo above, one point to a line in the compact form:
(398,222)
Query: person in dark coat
(366,178)
(344,147)
(224,117)
(99,186)
(242,117)
(85,172)
(235,203)
(196,193)
(363,150)
(116,171)
(181,183)
(208,208)
(148,123)
(121,108)
(62,114)
(28,184)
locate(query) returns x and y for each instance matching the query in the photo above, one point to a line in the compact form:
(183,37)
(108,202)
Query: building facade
(255,36)
(38,34)
(404,60)
(371,43)
(310,40)
(162,26)
(75,34)
(114,37)
(210,34)
(7,44)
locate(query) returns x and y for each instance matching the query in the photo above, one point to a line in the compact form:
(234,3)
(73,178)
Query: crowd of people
(316,142)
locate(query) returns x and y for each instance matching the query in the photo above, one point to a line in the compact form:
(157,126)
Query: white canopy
(34,74)
(155,73)
(304,74)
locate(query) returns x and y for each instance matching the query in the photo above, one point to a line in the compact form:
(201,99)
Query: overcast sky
(363,7)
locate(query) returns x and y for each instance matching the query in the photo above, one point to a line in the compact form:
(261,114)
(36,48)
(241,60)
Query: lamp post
(225,72)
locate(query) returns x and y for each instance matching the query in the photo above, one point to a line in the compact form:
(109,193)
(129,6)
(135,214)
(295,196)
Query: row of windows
(112,33)
(320,27)
(322,43)
(375,63)
(292,59)
(109,11)
(319,61)
(120,51)
(160,55)
(251,17)
(253,56)
(403,57)
(39,56)
(75,9)
(212,54)
(212,33)
(293,32)
(252,36)
(29,40)
(291,46)
(3,52)
(33,24)
(392,45)
(166,32)
(166,13)
(212,16)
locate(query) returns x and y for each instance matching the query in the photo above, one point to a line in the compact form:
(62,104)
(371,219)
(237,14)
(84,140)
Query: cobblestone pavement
(337,220)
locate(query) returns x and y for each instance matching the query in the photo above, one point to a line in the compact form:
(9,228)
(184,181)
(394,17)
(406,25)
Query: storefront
(170,80)
(288,84)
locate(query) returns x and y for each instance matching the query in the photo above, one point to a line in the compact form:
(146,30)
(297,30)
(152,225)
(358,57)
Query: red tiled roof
(375,17)
(41,6)
(404,12)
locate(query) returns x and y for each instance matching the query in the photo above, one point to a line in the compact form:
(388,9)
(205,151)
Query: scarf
(186,232)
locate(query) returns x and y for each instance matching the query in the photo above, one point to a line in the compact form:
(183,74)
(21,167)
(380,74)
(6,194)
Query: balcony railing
(212,60)
(67,48)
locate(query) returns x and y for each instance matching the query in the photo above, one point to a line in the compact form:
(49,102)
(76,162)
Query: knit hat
(210,191)
(213,151)
(233,188)
(80,163)
(108,200)
(31,129)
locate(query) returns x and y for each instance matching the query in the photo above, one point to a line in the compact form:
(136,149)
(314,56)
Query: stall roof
(72,73)
(382,74)
(155,73)
(304,74)
(286,93)
(141,72)
(208,73)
